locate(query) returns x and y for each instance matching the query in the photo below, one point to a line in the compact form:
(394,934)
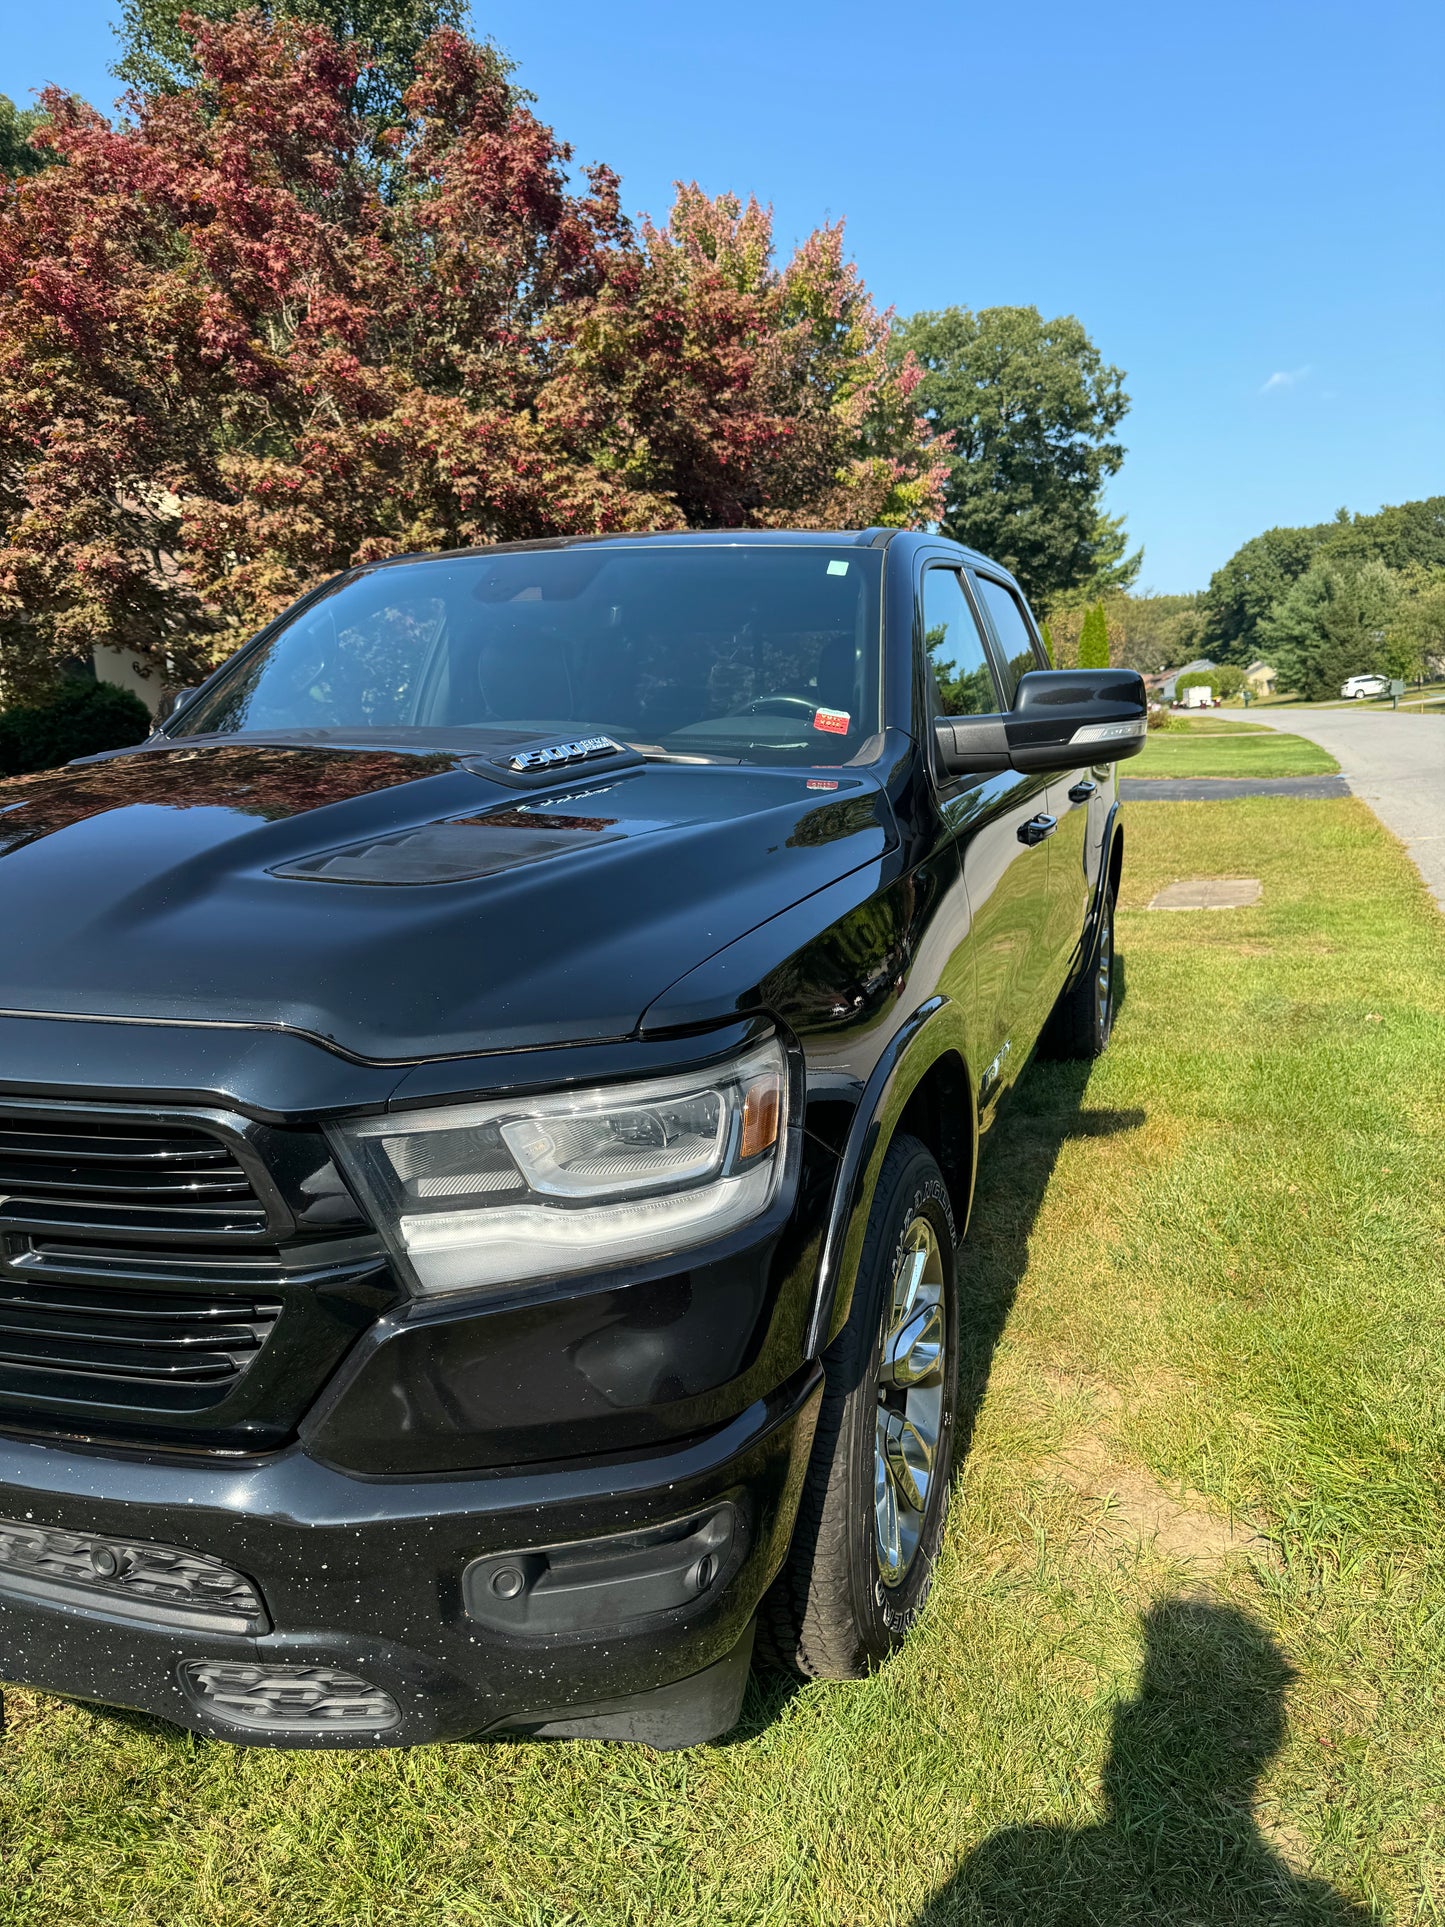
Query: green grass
(1214,753)
(1203,1287)
(1223,722)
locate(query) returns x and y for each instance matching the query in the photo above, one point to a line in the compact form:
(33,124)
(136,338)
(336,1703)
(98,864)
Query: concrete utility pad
(1209,893)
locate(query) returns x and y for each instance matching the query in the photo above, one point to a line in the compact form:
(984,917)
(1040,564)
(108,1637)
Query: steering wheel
(778,705)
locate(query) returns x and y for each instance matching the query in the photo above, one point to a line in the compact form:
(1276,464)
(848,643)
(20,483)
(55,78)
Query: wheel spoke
(905,1286)
(888,1526)
(914,1350)
(910,1461)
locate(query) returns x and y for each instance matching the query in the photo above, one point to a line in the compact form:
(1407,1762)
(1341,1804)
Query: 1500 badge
(585,750)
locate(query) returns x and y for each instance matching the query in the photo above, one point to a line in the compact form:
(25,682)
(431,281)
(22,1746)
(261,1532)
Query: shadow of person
(1179,1845)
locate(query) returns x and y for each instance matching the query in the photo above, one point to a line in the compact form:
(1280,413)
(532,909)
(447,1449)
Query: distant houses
(1260,679)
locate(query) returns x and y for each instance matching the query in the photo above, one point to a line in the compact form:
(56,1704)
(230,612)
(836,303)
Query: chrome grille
(114,1177)
(61,1310)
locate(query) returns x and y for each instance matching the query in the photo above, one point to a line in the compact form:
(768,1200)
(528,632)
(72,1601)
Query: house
(1166,687)
(1260,679)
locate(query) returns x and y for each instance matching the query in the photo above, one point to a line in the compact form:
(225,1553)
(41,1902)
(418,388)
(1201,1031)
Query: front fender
(933,1030)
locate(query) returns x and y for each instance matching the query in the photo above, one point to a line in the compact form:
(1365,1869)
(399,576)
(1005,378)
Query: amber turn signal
(760,1117)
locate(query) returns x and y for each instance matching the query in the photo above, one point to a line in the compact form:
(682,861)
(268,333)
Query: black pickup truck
(489,1096)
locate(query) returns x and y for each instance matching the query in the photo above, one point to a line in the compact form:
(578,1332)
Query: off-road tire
(1082,1021)
(828,1614)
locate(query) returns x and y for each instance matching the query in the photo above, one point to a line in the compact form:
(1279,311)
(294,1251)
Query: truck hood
(396,904)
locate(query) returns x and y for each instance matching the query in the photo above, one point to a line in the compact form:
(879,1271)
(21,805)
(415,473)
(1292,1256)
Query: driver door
(1004,863)
(1077,800)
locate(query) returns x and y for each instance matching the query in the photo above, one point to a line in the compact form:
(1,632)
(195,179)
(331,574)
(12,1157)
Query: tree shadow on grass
(1044,1112)
(1179,1845)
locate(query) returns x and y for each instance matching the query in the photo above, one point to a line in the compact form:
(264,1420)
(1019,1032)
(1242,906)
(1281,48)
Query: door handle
(1081,792)
(1037,828)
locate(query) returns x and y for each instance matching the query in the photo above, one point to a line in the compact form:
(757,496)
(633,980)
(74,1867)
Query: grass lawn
(1211,753)
(1220,722)
(1185,1657)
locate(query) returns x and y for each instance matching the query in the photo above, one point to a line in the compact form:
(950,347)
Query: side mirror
(1060,719)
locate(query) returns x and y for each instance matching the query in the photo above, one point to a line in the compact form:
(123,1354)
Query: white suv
(1371,684)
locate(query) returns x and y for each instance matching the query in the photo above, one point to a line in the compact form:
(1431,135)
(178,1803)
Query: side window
(960,682)
(1016,643)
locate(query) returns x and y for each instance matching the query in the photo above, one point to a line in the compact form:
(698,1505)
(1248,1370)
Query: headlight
(495,1193)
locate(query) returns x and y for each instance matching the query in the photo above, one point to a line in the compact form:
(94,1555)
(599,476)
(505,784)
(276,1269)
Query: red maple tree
(236,356)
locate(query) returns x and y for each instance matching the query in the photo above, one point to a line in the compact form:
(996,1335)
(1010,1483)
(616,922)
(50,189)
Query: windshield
(758,654)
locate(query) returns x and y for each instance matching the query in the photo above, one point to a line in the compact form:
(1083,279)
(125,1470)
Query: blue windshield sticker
(837,568)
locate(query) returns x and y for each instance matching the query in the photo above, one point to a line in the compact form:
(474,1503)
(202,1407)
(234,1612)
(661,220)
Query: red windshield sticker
(834,721)
(820,783)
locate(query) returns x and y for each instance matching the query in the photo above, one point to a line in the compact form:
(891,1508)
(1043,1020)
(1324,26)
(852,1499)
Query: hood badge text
(585,749)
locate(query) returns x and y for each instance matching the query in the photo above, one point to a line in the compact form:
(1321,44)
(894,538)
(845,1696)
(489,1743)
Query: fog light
(293,1699)
(129,1579)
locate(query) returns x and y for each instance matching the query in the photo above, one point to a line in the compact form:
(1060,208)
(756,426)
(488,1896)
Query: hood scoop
(527,764)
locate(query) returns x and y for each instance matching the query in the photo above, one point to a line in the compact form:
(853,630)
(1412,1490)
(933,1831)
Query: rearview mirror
(1061,718)
(171,702)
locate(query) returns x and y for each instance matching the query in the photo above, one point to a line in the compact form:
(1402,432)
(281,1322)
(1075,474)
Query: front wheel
(876,1497)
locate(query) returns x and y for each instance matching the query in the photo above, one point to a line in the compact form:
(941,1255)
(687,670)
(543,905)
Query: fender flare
(934,1029)
(1113,830)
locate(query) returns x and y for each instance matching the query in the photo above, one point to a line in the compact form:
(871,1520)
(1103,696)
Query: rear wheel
(1083,1019)
(876,1496)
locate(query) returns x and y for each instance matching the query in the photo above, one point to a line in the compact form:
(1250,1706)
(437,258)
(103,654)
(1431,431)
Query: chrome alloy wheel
(911,1377)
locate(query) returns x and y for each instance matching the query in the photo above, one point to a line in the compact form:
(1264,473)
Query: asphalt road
(1204,789)
(1396,762)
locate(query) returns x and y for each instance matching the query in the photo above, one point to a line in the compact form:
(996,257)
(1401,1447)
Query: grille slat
(141,1337)
(117,1178)
(115,1284)
(81,1146)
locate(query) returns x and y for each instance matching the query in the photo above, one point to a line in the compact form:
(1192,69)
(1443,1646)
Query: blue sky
(1241,202)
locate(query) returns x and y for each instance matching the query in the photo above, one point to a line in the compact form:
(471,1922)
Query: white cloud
(1283,378)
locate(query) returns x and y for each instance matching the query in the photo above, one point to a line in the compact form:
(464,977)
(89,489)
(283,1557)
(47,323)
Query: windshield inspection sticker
(834,721)
(837,568)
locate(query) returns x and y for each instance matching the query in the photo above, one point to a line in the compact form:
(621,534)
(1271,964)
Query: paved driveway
(1395,761)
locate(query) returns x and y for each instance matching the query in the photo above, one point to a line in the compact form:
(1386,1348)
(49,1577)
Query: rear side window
(1015,639)
(960,682)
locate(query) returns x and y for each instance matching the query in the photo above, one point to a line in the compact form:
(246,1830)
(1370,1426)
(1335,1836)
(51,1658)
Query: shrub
(1224,679)
(80,719)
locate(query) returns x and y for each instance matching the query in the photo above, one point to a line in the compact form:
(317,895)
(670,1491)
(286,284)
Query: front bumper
(365,1575)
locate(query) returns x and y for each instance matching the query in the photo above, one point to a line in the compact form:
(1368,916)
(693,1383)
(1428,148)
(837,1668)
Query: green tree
(17,124)
(1094,639)
(157,56)
(1415,644)
(1158,631)
(1032,408)
(1260,574)
(1047,636)
(1333,623)
(1242,594)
